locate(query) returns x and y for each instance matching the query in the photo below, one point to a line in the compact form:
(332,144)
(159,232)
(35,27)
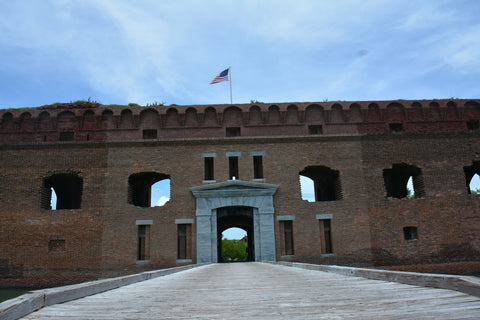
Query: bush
(234,250)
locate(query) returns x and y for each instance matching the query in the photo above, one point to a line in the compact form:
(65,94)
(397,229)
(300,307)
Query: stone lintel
(324,216)
(286,218)
(183,221)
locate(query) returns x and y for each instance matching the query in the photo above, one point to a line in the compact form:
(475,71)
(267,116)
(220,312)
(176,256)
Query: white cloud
(279,50)
(424,15)
(462,51)
(307,189)
(160,202)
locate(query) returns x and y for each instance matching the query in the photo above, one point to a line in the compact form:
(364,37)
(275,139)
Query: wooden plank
(256,290)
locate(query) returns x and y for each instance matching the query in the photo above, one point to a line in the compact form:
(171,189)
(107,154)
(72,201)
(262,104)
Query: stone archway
(240,217)
(235,193)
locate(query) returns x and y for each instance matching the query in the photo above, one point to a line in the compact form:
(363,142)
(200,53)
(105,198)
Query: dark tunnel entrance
(240,217)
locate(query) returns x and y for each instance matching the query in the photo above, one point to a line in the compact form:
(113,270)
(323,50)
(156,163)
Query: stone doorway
(227,198)
(240,217)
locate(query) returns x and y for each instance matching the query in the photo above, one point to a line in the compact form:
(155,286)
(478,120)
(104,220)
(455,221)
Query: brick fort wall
(94,153)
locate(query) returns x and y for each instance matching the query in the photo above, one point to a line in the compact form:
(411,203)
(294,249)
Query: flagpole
(230,71)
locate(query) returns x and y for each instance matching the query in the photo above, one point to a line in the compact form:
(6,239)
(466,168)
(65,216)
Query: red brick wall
(26,229)
(94,122)
(367,227)
(447,218)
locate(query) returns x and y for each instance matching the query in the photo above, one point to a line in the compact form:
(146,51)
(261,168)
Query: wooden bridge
(266,291)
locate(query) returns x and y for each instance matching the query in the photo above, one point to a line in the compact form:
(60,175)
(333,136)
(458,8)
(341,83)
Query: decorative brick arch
(258,196)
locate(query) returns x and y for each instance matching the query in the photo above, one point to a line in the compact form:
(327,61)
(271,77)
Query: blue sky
(119,51)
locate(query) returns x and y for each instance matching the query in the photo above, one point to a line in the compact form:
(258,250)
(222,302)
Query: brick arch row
(103,118)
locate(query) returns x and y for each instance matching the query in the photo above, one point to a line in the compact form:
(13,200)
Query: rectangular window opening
(325,227)
(183,241)
(209,168)
(56,245)
(150,134)
(473,125)
(396,127)
(288,237)
(67,136)
(315,129)
(233,167)
(410,233)
(143,242)
(233,132)
(257,167)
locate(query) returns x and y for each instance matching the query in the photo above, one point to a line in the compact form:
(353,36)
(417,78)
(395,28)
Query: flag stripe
(222,76)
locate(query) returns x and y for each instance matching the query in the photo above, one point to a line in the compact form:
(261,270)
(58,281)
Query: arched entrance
(240,217)
(256,198)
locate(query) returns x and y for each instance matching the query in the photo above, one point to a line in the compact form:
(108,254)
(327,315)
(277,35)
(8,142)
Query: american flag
(222,76)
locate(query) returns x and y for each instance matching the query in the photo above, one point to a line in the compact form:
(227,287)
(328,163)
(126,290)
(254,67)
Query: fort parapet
(95,122)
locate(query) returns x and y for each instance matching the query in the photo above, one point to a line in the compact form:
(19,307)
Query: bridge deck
(265,291)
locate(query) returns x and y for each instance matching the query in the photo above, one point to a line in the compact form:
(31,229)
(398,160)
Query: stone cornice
(234,188)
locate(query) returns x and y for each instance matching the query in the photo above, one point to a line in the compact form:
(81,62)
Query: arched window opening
(149,119)
(141,193)
(26,122)
(292,114)
(336,114)
(410,190)
(108,121)
(472,178)
(62,191)
(126,119)
(373,114)
(307,189)
(314,114)
(274,115)
(8,124)
(234,245)
(66,121)
(160,193)
(232,116)
(355,114)
(210,117)
(88,121)
(474,185)
(53,199)
(326,182)
(191,119)
(44,121)
(397,181)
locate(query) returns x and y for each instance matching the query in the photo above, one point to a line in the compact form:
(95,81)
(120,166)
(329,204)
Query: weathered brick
(100,238)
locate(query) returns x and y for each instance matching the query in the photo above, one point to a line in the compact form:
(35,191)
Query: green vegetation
(234,250)
(255,101)
(89,100)
(92,101)
(155,104)
(6,294)
(410,194)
